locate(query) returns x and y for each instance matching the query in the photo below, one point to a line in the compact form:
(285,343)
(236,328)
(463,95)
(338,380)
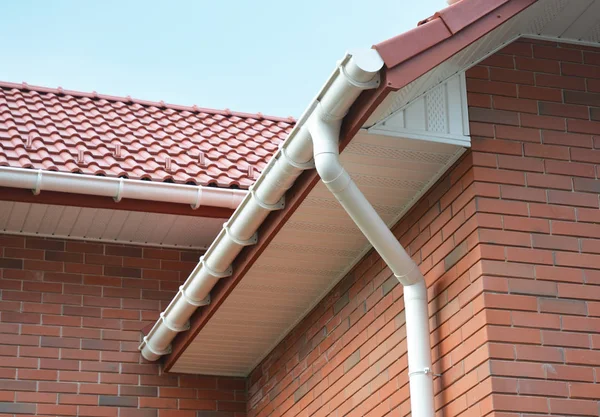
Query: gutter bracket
(198,303)
(425,371)
(196,205)
(118,197)
(271,207)
(214,273)
(252,241)
(38,183)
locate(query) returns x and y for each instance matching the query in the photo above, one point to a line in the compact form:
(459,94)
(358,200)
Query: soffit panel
(106,225)
(312,252)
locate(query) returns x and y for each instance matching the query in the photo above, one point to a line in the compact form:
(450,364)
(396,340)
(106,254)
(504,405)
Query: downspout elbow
(324,128)
(325,137)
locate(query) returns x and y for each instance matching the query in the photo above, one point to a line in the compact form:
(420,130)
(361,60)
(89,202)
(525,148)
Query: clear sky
(264,56)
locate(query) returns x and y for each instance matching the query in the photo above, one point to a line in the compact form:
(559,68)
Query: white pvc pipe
(325,136)
(119,188)
(418,343)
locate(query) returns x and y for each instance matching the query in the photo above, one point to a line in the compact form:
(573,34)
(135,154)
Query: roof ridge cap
(128,99)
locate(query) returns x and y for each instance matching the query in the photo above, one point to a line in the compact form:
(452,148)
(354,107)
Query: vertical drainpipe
(324,126)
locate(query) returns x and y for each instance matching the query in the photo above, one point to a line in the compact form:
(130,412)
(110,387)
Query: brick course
(509,243)
(70,320)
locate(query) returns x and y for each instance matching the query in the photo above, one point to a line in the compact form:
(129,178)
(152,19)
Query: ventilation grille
(322,228)
(397,154)
(325,203)
(594,35)
(436,110)
(531,21)
(549,12)
(283,288)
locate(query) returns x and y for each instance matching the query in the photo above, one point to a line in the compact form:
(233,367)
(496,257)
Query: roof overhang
(314,249)
(307,247)
(113,210)
(108,225)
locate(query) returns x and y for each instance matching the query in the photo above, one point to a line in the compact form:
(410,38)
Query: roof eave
(447,33)
(397,73)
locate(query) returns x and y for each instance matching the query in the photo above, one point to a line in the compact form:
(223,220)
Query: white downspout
(324,128)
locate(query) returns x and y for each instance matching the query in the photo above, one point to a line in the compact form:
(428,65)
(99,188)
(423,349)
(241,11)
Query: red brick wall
(70,320)
(509,242)
(535,111)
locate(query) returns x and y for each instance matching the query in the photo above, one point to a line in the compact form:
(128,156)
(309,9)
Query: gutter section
(119,188)
(315,139)
(354,74)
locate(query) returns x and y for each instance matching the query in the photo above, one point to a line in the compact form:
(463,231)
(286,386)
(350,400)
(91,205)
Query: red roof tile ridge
(436,29)
(129,99)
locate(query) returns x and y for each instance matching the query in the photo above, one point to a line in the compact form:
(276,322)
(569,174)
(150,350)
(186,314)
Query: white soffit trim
(108,225)
(440,115)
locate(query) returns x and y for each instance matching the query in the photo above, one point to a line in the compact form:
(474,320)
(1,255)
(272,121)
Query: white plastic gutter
(319,126)
(118,188)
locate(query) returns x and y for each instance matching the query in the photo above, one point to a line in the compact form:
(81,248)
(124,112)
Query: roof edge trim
(454,20)
(406,69)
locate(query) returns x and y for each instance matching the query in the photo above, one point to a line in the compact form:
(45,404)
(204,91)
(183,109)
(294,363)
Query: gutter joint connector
(38,183)
(248,242)
(279,205)
(214,273)
(147,345)
(171,326)
(197,303)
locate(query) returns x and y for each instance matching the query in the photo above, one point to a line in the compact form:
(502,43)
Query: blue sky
(267,56)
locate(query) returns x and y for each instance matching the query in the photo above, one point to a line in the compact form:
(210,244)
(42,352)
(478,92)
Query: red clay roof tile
(437,38)
(89,133)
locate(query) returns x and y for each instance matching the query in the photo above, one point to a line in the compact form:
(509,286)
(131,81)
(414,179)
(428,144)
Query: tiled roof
(88,133)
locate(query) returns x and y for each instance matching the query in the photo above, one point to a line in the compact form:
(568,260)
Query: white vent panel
(439,115)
